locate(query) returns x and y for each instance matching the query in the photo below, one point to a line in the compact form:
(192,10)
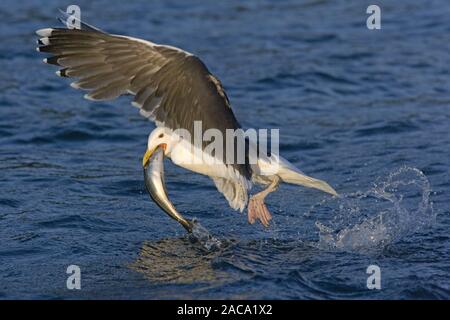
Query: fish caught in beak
(153,163)
(149,152)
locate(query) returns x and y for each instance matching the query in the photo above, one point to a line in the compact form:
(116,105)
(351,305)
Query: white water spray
(391,210)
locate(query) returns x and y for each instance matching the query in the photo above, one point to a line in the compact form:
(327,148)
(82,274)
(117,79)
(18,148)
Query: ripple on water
(9,203)
(388,128)
(178,261)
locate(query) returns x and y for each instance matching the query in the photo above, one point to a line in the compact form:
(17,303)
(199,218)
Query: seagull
(173,88)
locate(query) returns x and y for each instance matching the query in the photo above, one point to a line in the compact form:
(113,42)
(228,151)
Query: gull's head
(159,138)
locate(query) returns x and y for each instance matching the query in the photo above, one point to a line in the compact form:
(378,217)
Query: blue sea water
(366,110)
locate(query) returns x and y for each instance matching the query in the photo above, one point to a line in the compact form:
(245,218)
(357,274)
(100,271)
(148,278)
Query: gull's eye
(161,135)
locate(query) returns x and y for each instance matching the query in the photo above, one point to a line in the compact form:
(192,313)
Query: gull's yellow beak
(149,152)
(147,156)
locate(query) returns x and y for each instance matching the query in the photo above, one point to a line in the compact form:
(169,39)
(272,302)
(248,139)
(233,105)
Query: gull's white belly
(183,154)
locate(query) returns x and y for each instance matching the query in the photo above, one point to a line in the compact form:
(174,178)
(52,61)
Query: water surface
(367,111)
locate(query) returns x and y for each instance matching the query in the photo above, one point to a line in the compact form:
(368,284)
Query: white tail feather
(290,174)
(303,180)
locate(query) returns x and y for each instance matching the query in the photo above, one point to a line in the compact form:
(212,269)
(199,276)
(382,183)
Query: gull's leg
(256,206)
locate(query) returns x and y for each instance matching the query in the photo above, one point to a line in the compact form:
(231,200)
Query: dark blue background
(352,105)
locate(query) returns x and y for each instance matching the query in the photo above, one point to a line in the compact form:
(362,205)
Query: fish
(156,188)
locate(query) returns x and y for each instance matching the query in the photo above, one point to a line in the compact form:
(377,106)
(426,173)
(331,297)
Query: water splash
(201,234)
(394,208)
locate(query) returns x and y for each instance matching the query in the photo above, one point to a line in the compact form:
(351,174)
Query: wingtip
(61,73)
(88,97)
(43,41)
(46,32)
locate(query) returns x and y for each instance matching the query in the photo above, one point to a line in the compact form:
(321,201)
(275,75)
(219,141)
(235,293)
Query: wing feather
(172,87)
(235,191)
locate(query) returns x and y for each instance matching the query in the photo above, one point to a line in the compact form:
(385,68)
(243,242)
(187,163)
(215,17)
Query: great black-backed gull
(174,89)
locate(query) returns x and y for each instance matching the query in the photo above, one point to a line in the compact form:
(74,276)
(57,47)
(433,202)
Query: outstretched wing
(171,87)
(235,191)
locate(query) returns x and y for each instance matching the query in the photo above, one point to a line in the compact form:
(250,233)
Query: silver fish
(156,187)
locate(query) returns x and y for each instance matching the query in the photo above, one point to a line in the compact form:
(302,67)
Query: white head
(160,137)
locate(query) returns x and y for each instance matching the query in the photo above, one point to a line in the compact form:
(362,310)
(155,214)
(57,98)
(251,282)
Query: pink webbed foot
(257,210)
